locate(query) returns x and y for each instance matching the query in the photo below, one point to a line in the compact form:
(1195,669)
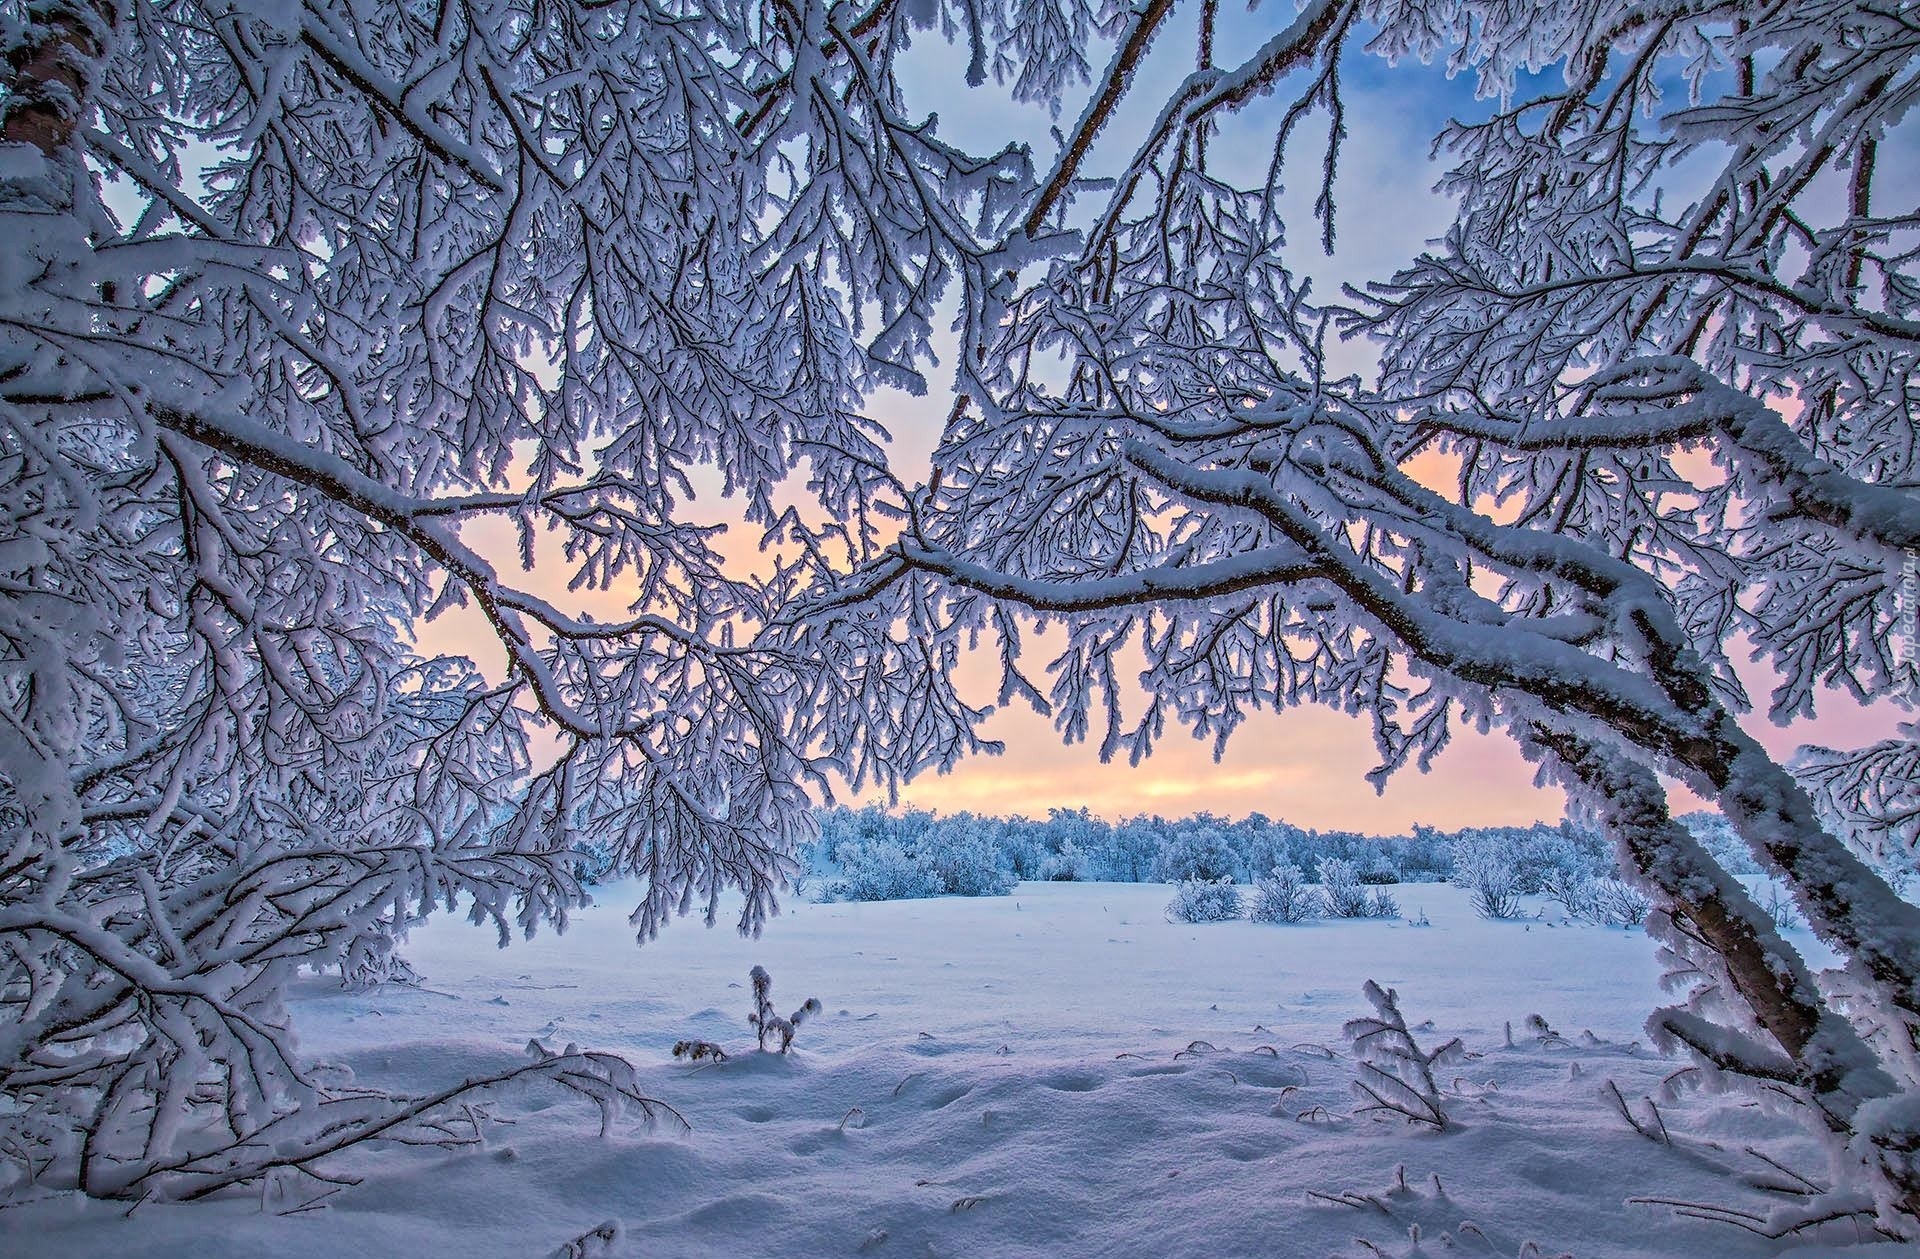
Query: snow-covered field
(1057,1072)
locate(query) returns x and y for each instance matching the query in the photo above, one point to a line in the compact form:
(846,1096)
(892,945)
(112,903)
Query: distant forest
(872,853)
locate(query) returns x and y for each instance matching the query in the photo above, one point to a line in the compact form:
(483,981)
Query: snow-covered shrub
(1284,895)
(1558,866)
(1194,853)
(1069,865)
(1267,844)
(1540,858)
(770,1027)
(1605,902)
(1425,856)
(1204,900)
(1483,866)
(1125,853)
(1396,1074)
(1307,849)
(1023,844)
(1072,835)
(964,861)
(876,856)
(1056,850)
(1574,867)
(880,870)
(1617,903)
(1573,889)
(1381,904)
(1340,885)
(371,960)
(1718,838)
(1779,907)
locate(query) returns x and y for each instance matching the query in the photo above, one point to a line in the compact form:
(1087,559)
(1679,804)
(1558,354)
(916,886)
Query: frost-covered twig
(1785,1221)
(1657,1131)
(1396,1073)
(447,1118)
(771,1027)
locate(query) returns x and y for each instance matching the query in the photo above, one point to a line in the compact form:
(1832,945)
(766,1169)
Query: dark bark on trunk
(50,73)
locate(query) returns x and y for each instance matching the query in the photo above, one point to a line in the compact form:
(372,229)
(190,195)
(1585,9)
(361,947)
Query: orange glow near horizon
(1303,765)
(1307,766)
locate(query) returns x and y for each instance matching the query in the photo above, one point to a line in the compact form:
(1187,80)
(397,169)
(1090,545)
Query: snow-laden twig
(772,1028)
(1396,1074)
(1654,1130)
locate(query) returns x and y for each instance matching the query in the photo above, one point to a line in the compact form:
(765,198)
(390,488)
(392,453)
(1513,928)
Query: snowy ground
(1006,1077)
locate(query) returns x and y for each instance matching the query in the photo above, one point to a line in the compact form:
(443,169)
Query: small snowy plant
(1204,900)
(1396,1074)
(1382,904)
(774,1030)
(1340,884)
(1283,895)
(1617,903)
(1486,870)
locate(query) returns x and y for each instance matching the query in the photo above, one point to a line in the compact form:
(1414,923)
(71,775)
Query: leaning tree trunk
(50,71)
(1815,1050)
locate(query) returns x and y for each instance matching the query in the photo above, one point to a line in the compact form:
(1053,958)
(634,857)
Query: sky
(1305,765)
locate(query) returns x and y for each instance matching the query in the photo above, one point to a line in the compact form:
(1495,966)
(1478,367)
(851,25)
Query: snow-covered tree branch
(1667,345)
(308,302)
(302,304)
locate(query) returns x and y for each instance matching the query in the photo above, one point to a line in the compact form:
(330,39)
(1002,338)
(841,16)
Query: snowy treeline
(1288,873)
(1073,845)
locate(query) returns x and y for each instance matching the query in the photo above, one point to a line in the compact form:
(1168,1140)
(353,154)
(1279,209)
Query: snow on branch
(320,321)
(1396,1074)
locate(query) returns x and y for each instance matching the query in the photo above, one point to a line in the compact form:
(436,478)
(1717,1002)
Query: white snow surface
(1057,1072)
